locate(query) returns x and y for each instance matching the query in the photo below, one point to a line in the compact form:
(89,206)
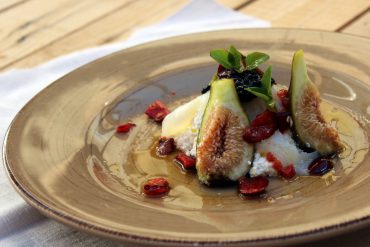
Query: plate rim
(86,226)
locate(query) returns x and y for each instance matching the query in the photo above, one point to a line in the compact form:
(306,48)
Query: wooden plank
(114,27)
(360,27)
(8,4)
(232,4)
(313,14)
(34,24)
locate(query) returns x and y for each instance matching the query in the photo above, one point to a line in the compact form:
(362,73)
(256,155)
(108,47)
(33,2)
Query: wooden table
(35,31)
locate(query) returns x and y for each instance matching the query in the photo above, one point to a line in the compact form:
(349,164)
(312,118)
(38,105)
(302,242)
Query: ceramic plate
(64,157)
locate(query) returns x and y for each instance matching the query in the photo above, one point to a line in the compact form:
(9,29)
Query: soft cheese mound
(283,147)
(184,122)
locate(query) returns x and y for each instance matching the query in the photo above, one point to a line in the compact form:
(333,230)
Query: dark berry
(320,166)
(243,80)
(206,89)
(165,146)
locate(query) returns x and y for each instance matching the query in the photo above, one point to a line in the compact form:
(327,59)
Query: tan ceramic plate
(64,158)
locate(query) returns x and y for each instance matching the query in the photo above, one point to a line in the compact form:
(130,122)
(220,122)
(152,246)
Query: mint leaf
(234,57)
(266,80)
(254,59)
(260,95)
(222,57)
(264,92)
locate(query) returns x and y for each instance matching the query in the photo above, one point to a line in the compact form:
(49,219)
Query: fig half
(310,127)
(222,154)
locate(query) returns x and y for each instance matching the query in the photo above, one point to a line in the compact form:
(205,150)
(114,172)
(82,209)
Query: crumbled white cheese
(261,167)
(283,147)
(187,141)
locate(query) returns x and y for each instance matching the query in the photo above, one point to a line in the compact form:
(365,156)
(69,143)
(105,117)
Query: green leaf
(264,92)
(234,57)
(221,56)
(266,81)
(259,94)
(254,59)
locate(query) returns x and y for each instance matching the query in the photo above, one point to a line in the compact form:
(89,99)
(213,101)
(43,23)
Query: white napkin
(20,224)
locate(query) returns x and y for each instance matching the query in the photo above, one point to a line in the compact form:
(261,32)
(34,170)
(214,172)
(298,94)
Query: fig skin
(309,126)
(222,154)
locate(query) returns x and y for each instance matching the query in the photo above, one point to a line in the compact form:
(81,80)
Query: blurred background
(34,34)
(35,31)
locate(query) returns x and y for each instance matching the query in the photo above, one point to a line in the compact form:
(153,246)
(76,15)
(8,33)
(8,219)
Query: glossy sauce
(127,162)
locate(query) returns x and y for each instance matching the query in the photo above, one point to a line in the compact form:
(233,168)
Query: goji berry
(287,172)
(157,111)
(156,187)
(124,128)
(186,161)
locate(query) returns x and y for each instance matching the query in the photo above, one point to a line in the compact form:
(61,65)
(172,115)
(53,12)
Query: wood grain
(312,14)
(35,31)
(361,26)
(30,27)
(117,25)
(8,4)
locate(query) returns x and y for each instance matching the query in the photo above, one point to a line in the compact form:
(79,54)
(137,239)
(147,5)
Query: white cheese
(184,122)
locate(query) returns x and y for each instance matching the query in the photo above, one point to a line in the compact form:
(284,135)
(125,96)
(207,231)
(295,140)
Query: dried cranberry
(157,111)
(264,118)
(257,134)
(283,96)
(282,121)
(124,128)
(165,146)
(261,128)
(187,162)
(156,187)
(253,186)
(320,166)
(287,172)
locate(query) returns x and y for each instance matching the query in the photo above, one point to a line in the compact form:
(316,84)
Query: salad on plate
(245,127)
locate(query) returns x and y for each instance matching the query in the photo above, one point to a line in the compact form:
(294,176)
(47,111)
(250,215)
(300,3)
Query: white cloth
(22,225)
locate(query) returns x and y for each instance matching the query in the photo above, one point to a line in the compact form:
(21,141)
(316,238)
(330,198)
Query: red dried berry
(287,172)
(283,96)
(124,128)
(166,146)
(265,118)
(261,128)
(156,187)
(157,111)
(282,121)
(257,134)
(186,161)
(253,186)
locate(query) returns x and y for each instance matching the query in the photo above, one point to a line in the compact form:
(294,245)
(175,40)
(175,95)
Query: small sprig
(255,59)
(264,92)
(234,59)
